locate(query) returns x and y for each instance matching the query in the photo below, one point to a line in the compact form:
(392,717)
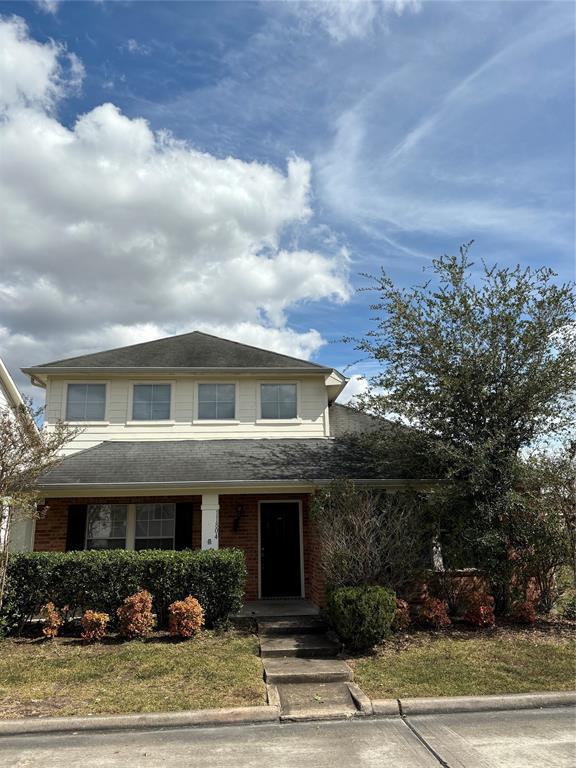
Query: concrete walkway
(521,739)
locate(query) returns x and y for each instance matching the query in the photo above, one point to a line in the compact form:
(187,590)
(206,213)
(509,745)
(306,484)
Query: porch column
(210,509)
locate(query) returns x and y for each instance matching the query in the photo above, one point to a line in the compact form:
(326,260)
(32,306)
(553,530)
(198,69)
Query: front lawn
(467,663)
(64,677)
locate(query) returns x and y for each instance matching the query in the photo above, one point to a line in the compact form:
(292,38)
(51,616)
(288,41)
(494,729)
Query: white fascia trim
(9,386)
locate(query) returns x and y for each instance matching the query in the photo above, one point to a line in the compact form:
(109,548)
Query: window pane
(269,393)
(141,411)
(206,410)
(206,393)
(141,544)
(225,411)
(269,410)
(160,411)
(143,393)
(86,402)
(287,410)
(287,393)
(226,393)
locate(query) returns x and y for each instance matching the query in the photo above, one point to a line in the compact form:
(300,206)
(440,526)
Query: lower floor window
(155,526)
(130,526)
(106,526)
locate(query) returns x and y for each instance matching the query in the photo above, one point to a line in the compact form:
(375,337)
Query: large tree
(26,453)
(480,362)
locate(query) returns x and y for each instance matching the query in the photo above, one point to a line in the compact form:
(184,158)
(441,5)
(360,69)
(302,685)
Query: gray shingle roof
(189,350)
(208,461)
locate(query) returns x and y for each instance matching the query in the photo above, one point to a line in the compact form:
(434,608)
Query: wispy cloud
(48,6)
(373,174)
(345,20)
(133,46)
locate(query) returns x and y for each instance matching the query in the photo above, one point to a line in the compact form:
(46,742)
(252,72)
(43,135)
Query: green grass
(66,678)
(468,666)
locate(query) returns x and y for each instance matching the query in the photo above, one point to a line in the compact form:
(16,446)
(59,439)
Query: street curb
(201,717)
(449,704)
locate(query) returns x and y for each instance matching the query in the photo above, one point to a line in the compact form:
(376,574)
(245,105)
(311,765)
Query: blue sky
(419,126)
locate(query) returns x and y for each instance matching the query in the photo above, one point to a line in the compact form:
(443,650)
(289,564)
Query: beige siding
(312,401)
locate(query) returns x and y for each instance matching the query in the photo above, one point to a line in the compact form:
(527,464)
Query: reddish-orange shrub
(186,617)
(94,626)
(524,612)
(480,610)
(401,620)
(52,620)
(435,613)
(135,615)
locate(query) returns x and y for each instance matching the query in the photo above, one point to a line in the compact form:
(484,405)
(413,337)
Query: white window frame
(64,406)
(131,422)
(215,422)
(260,420)
(130,524)
(133,524)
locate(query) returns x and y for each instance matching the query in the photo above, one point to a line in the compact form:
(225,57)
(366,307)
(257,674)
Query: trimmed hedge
(99,581)
(361,616)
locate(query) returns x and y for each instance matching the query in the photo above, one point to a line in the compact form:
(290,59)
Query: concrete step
(303,646)
(292,625)
(308,701)
(294,670)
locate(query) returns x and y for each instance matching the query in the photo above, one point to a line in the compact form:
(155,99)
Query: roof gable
(189,350)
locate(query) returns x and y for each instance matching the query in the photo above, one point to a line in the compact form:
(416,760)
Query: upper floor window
(216,401)
(151,402)
(86,402)
(278,401)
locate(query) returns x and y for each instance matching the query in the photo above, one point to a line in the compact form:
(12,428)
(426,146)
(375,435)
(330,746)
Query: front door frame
(301,534)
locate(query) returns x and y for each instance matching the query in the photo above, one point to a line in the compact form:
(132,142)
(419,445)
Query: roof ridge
(180,336)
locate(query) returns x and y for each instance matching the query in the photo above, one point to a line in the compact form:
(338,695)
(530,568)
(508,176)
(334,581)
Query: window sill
(279,421)
(146,423)
(215,422)
(88,423)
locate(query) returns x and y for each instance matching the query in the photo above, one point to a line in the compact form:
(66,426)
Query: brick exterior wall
(51,531)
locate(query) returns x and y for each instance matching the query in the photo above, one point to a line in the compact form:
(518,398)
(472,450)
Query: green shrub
(361,616)
(100,581)
(569,607)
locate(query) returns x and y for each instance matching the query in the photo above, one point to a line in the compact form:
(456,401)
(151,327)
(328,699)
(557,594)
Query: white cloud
(133,46)
(113,233)
(350,19)
(48,6)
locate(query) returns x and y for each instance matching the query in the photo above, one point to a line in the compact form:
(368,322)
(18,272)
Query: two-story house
(197,442)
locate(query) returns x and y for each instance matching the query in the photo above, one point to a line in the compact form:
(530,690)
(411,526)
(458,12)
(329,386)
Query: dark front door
(280,549)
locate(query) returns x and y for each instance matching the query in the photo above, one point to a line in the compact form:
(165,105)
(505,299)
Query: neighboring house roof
(203,462)
(8,388)
(345,420)
(194,351)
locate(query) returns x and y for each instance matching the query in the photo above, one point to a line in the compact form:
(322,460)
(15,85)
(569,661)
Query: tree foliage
(474,366)
(26,453)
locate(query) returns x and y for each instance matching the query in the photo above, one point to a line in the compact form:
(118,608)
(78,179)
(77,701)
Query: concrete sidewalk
(519,739)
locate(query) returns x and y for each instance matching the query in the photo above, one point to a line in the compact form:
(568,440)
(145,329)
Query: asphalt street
(522,739)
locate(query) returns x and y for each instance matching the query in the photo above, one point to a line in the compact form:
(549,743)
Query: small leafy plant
(52,620)
(135,615)
(434,612)
(402,619)
(480,610)
(94,626)
(186,617)
(524,612)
